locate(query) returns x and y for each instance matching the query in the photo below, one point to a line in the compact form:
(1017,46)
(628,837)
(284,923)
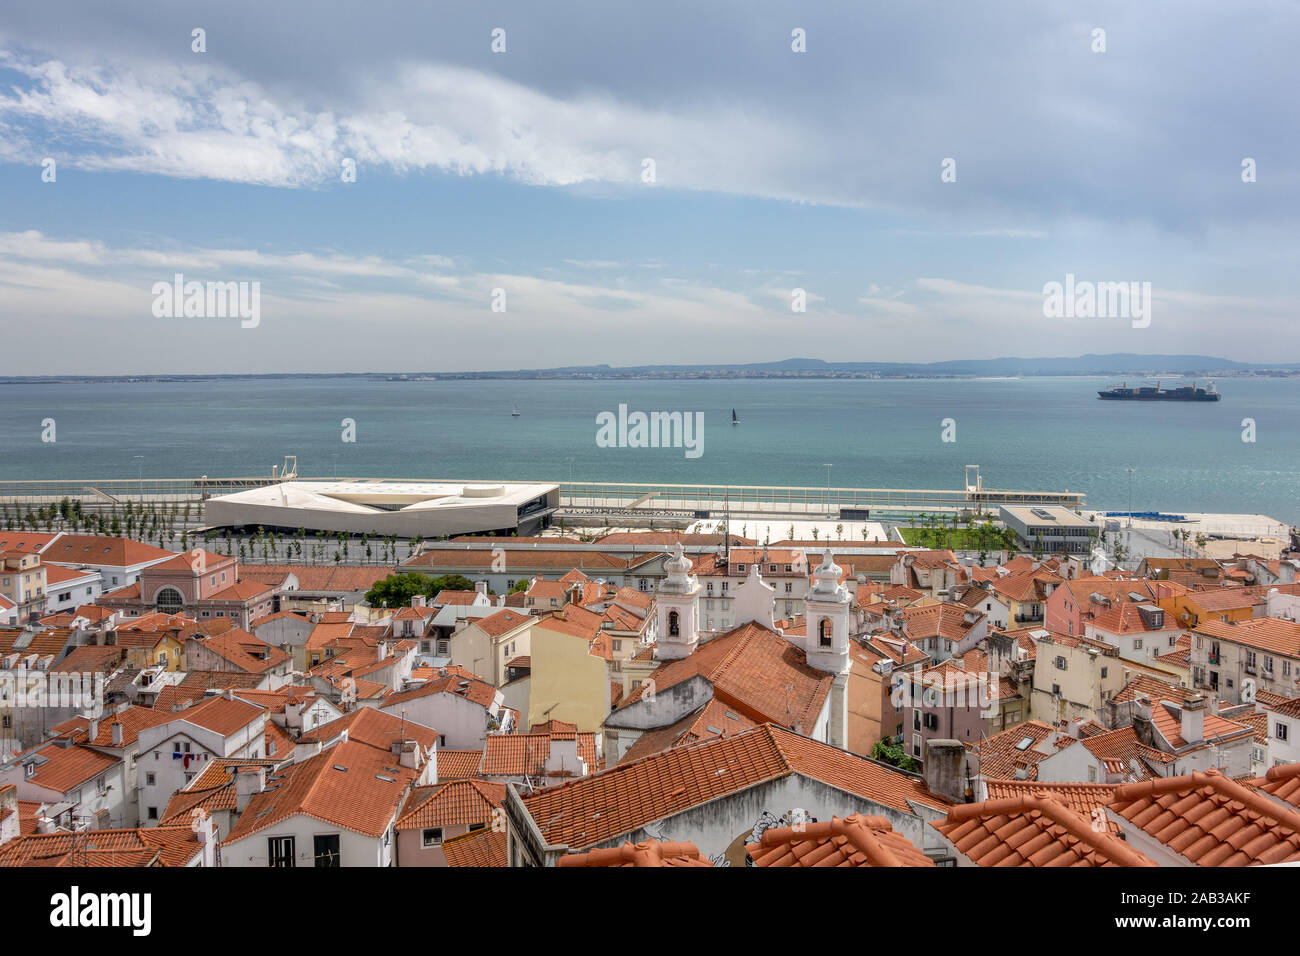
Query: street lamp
(828,489)
(1130,498)
(141,477)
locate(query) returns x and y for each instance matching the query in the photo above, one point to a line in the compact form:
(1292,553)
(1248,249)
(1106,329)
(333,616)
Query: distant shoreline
(712,375)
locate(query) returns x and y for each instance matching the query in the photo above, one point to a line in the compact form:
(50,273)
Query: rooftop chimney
(116,729)
(1193,719)
(249,781)
(945,769)
(417,600)
(407,751)
(481,587)
(563,757)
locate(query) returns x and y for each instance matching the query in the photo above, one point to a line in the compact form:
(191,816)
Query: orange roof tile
(856,840)
(1033,829)
(486,847)
(1211,819)
(645,853)
(453,803)
(594,809)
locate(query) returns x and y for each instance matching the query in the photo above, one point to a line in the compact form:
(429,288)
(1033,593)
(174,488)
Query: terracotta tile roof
(242,591)
(554,726)
(1144,685)
(937,620)
(102,550)
(471,688)
(1001,757)
(453,803)
(363,796)
(153,846)
(1127,619)
(31,542)
(502,622)
(645,853)
(133,720)
(1269,634)
(244,651)
(855,840)
(1281,783)
(91,659)
(16,640)
(212,790)
(1211,819)
(594,809)
(486,847)
(312,578)
(714,719)
(1217,729)
(1082,798)
(374,728)
(219,715)
(62,769)
(1026,585)
(549,559)
(459,764)
(518,755)
(754,669)
(454,598)
(1121,748)
(1033,829)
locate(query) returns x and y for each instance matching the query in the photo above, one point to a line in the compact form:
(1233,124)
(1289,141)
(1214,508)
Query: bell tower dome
(678,598)
(826,612)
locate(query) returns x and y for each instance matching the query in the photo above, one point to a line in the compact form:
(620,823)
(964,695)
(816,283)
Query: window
(789,588)
(1062,663)
(674,626)
(916,720)
(152,813)
(931,721)
(1103,673)
(169,600)
(740,568)
(432,836)
(150,780)
(1137,643)
(1280,731)
(326,849)
(279,852)
(824,632)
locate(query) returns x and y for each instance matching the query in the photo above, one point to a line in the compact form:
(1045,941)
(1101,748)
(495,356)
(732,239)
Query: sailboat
(734,419)
(515,412)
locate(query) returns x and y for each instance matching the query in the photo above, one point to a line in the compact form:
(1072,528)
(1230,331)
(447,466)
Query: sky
(503,216)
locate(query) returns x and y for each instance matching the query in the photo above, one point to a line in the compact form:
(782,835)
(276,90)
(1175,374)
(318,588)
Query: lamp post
(828,489)
(1130,498)
(140,476)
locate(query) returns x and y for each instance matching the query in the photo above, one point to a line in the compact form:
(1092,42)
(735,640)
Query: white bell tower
(826,612)
(678,597)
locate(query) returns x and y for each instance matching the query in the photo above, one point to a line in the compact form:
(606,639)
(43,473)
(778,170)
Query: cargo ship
(1154,393)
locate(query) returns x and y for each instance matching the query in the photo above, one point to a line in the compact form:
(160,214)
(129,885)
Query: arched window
(673,628)
(824,632)
(169,600)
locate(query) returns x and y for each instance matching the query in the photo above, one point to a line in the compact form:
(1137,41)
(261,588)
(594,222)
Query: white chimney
(417,600)
(563,757)
(1193,719)
(480,587)
(116,729)
(249,781)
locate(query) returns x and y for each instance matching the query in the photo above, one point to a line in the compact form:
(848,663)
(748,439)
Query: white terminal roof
(1046,515)
(368,497)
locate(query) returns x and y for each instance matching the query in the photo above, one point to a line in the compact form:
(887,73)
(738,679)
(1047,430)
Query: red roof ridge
(645,853)
(856,828)
(1111,847)
(1217,781)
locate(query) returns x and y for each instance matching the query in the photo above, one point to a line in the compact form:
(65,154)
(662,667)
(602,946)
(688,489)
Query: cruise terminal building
(403,508)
